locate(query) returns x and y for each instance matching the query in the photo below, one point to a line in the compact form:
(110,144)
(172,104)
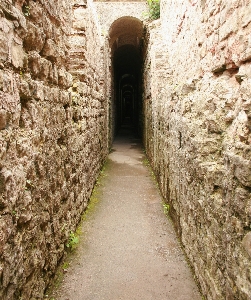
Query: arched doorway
(126,54)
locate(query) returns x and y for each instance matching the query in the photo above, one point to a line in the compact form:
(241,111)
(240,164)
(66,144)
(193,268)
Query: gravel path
(129,250)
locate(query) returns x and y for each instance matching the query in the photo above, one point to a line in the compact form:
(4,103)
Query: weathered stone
(203,159)
(24,90)
(40,141)
(245,15)
(45,69)
(10,10)
(1,79)
(79,18)
(35,11)
(53,75)
(4,49)
(230,116)
(34,63)
(17,55)
(213,125)
(40,68)
(3,119)
(50,50)
(35,38)
(64,78)
(220,66)
(246,242)
(230,26)
(243,171)
(245,70)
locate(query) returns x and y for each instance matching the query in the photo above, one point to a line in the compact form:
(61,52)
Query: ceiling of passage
(125,31)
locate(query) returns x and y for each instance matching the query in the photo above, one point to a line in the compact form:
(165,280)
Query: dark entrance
(126,49)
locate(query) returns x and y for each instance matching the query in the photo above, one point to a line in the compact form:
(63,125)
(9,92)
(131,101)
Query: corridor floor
(129,249)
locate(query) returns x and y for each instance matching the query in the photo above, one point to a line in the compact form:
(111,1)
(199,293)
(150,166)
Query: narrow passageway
(129,249)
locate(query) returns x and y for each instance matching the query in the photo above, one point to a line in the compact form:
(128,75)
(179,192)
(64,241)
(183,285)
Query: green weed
(65,265)
(72,241)
(154,9)
(166,208)
(26,10)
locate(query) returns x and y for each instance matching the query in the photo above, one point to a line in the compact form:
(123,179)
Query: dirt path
(129,250)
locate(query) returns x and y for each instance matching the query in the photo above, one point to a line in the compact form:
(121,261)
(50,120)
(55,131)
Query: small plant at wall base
(154,9)
(166,208)
(72,241)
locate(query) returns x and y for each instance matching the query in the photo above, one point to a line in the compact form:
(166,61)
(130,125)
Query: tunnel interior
(126,55)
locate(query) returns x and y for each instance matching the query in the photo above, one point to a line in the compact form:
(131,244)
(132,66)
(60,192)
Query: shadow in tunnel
(126,52)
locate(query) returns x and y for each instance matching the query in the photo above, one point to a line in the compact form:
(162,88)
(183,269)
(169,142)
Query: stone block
(9,102)
(219,65)
(34,63)
(24,90)
(3,119)
(65,98)
(80,20)
(230,26)
(214,125)
(36,11)
(1,79)
(18,55)
(24,218)
(231,115)
(48,27)
(35,38)
(245,70)
(246,55)
(6,227)
(78,40)
(40,67)
(10,11)
(245,15)
(37,90)
(82,88)
(53,75)
(45,69)
(50,50)
(9,82)
(64,78)
(4,49)
(243,171)
(246,242)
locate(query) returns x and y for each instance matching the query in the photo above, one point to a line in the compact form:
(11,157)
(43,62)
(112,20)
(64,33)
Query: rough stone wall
(53,135)
(198,135)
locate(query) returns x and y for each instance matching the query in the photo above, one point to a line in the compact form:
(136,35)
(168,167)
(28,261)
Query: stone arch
(126,30)
(110,13)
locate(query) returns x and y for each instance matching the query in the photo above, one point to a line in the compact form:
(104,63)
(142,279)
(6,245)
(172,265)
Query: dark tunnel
(126,54)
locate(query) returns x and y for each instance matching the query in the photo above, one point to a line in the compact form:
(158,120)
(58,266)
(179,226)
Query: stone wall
(198,135)
(53,137)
